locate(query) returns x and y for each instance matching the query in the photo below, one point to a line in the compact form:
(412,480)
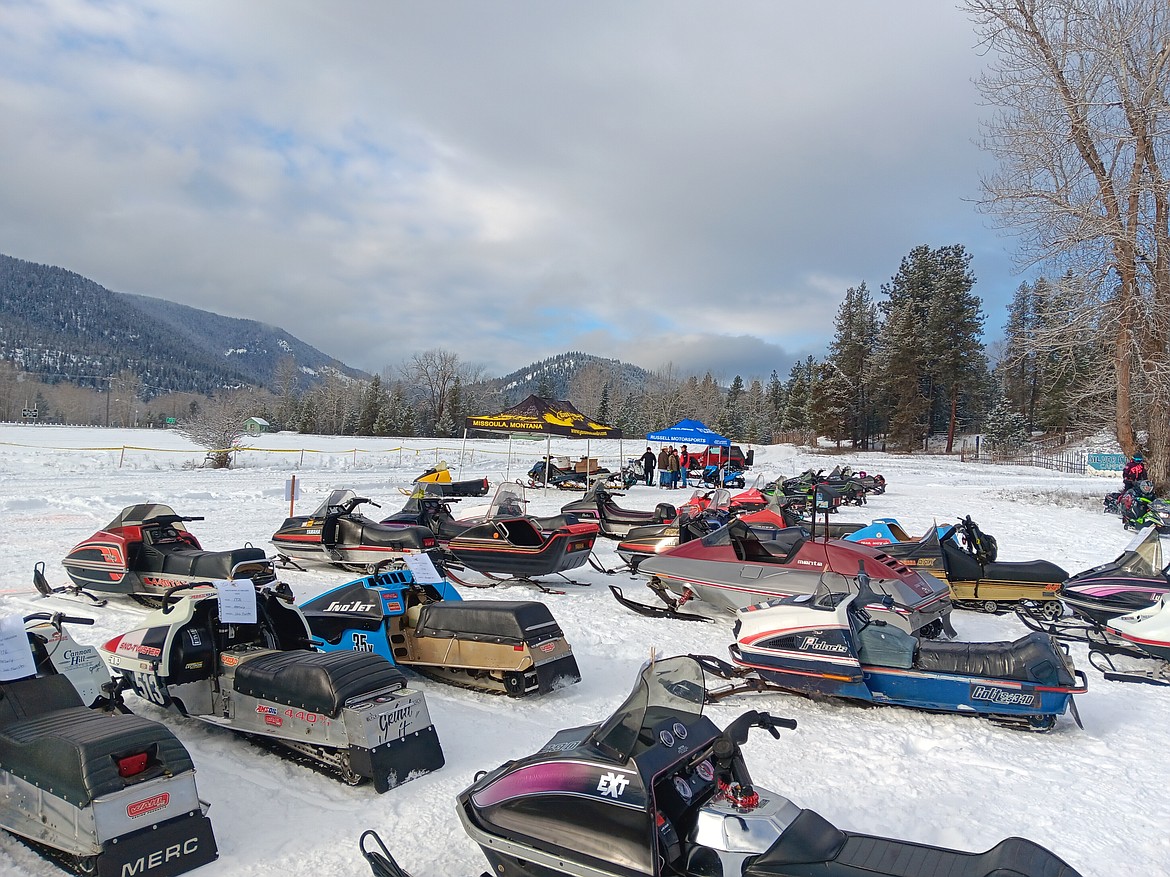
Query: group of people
(672,465)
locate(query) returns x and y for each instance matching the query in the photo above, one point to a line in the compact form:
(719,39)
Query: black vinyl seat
(501,621)
(49,738)
(318,681)
(1031,658)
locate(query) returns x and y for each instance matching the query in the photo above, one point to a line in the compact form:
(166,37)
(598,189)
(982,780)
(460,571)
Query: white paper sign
(237,601)
(422,569)
(16,657)
(292,489)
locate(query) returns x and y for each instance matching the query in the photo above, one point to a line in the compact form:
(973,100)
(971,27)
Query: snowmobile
(571,480)
(722,476)
(1139,507)
(106,794)
(829,643)
(440,476)
(702,514)
(1132,581)
(337,534)
(1134,647)
(145,550)
(598,506)
(349,713)
(738,565)
(499,540)
(967,559)
(657,790)
(515,647)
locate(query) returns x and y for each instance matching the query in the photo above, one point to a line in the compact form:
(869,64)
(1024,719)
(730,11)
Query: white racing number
(147,685)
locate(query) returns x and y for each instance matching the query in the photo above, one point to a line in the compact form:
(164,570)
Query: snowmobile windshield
(669,688)
(1143,555)
(720,500)
(136,515)
(335,498)
(508,502)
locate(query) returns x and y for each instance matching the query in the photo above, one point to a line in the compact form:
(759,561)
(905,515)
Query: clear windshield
(672,686)
(720,500)
(1143,555)
(335,498)
(509,501)
(135,515)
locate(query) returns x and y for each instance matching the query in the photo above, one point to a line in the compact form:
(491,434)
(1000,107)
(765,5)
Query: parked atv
(106,794)
(348,712)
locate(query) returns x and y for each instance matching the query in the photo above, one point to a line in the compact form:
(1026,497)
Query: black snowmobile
(597,506)
(656,789)
(106,794)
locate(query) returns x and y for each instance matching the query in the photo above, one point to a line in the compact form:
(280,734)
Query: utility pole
(109,390)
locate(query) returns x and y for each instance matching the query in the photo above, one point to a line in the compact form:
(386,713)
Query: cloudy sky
(661,182)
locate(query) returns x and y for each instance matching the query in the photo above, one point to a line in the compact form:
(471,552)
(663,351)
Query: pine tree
(371,406)
(603,413)
(850,378)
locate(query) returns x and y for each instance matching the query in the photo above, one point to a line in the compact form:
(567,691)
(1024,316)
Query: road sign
(30,412)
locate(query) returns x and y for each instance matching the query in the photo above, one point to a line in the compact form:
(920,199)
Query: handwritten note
(422,568)
(237,601)
(16,657)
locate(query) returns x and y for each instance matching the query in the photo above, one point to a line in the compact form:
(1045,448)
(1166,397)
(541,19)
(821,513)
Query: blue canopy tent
(690,432)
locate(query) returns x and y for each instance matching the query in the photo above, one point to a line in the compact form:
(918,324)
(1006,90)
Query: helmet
(1138,458)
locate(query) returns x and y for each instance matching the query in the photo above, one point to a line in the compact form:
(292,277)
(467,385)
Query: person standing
(663,467)
(684,464)
(673,466)
(648,460)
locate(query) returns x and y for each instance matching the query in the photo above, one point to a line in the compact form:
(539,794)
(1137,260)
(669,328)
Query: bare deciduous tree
(1082,89)
(218,426)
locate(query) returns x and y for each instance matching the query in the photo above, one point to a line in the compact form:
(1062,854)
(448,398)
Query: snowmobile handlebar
(57,618)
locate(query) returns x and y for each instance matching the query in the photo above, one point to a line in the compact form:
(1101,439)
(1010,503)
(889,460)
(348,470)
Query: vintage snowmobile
(440,476)
(598,506)
(338,535)
(347,712)
(703,513)
(1132,581)
(967,559)
(1134,647)
(515,647)
(829,643)
(145,550)
(1139,507)
(657,790)
(105,794)
(738,565)
(569,479)
(500,540)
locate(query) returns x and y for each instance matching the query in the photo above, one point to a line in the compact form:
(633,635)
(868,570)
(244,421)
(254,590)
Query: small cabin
(255,426)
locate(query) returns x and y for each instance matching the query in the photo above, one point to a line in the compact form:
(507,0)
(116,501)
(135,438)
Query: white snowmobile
(106,794)
(348,712)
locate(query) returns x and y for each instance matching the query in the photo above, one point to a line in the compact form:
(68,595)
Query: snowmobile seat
(73,751)
(1040,571)
(512,622)
(1031,658)
(318,681)
(391,537)
(811,840)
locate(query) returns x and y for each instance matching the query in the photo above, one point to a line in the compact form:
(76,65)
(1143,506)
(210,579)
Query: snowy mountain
(59,325)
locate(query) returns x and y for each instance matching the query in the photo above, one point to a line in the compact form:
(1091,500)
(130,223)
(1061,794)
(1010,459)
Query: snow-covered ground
(1097,797)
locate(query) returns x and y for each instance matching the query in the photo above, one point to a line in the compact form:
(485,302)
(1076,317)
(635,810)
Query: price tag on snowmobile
(422,568)
(16,657)
(237,602)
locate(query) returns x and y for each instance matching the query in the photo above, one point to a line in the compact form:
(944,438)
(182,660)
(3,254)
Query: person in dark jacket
(1135,470)
(648,460)
(663,467)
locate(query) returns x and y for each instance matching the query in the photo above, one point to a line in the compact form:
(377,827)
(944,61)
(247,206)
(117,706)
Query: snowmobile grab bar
(167,602)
